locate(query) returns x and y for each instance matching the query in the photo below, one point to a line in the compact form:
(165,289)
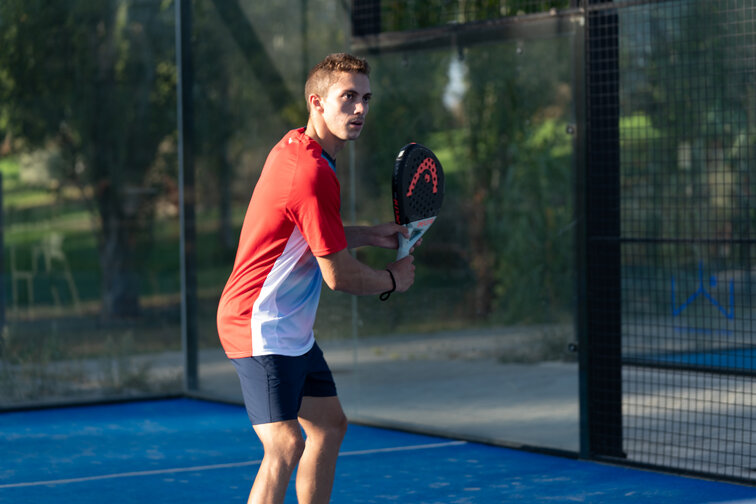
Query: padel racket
(418,190)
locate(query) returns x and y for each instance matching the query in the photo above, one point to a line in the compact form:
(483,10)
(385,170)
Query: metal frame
(187,230)
(532,26)
(601,329)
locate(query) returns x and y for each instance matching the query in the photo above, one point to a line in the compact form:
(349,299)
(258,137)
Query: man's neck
(319,132)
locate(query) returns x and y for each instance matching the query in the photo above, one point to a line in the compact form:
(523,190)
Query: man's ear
(315,102)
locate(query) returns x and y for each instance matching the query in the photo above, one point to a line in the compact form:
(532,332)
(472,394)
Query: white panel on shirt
(284,313)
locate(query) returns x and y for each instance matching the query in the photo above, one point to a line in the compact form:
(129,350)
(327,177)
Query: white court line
(217,466)
(129,474)
(403,448)
(747,501)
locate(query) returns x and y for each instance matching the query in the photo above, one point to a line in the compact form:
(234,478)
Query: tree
(519,197)
(235,73)
(98,80)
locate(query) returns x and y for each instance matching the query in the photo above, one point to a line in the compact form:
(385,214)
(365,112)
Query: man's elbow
(338,271)
(342,283)
(336,283)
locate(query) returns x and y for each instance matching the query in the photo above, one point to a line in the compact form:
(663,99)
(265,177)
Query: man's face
(346,105)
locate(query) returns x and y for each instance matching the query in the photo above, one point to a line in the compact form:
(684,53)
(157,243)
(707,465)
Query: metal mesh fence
(681,75)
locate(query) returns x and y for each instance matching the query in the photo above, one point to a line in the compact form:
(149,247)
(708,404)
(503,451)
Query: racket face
(418,184)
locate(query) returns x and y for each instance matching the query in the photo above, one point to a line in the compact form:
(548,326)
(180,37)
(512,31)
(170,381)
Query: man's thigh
(279,436)
(274,386)
(318,414)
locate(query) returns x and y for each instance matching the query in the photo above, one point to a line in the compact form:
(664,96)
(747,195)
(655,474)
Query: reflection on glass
(89,202)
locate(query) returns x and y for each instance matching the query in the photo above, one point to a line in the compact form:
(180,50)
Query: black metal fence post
(601,348)
(187,196)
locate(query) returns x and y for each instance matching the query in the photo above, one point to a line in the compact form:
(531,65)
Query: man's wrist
(385,295)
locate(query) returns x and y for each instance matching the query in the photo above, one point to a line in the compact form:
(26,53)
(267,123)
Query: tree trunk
(482,260)
(120,280)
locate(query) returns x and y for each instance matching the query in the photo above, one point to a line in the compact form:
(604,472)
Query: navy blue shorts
(273,385)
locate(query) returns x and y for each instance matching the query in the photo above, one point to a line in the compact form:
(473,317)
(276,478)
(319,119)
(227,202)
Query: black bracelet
(385,295)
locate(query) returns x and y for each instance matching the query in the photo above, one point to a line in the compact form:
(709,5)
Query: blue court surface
(190,451)
(738,358)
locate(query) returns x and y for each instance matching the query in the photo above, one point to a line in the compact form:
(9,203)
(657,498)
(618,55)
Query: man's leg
(283,446)
(325,424)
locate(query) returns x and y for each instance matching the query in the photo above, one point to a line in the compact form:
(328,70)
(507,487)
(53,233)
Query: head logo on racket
(428,170)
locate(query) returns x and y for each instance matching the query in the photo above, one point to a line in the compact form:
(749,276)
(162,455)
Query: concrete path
(443,384)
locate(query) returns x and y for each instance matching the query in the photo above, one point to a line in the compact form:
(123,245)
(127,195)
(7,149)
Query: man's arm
(381,235)
(342,272)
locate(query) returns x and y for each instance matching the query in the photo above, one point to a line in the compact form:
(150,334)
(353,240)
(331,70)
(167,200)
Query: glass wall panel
(478,347)
(89,201)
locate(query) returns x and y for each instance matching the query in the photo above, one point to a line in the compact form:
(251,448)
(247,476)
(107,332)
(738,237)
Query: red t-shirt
(269,303)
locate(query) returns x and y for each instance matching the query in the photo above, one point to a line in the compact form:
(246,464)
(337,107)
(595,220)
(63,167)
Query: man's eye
(348,96)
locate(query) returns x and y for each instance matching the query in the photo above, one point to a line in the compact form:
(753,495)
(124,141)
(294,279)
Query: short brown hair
(325,73)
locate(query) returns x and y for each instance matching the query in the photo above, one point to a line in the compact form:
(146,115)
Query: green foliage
(503,243)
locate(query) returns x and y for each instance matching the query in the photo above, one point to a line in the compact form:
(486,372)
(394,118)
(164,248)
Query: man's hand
(380,235)
(404,273)
(384,235)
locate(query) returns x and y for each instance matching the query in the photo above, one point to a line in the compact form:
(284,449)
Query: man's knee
(288,454)
(285,446)
(291,448)
(341,425)
(335,429)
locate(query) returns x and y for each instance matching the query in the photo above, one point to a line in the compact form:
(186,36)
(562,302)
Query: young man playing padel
(291,241)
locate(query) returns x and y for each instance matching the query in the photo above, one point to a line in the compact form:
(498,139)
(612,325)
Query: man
(291,241)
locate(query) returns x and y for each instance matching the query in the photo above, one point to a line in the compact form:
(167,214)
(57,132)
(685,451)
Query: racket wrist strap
(385,295)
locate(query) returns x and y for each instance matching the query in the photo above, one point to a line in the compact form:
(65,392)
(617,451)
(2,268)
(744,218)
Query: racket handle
(417,229)
(405,245)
